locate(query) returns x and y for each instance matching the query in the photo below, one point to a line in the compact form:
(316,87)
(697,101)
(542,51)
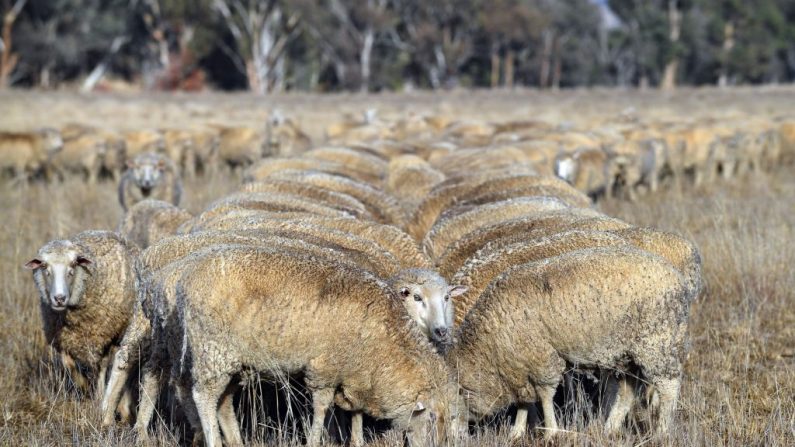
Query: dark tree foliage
(371,45)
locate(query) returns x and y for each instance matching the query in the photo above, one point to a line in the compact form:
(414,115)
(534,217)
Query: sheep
(240,219)
(82,155)
(284,138)
(410,178)
(449,192)
(87,287)
(204,155)
(432,312)
(523,228)
(272,202)
(178,148)
(150,220)
(454,224)
(392,372)
(240,147)
(267,167)
(384,208)
(149,175)
(138,142)
(626,310)
(464,160)
(352,158)
(155,258)
(347,202)
(680,252)
(488,262)
(27,153)
(563,192)
(585,170)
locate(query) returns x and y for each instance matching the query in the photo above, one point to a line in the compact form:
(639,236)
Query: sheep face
(565,167)
(428,300)
(52,140)
(147,173)
(59,272)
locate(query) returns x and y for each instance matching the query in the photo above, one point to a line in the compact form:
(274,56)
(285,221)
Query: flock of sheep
(426,272)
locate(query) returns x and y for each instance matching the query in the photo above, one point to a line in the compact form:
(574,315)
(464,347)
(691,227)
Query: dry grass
(739,386)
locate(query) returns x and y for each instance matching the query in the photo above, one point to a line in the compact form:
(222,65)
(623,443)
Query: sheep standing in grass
(27,153)
(150,220)
(87,287)
(615,307)
(149,176)
(338,325)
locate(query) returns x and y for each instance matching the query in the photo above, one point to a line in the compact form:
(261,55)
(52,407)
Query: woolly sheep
(447,193)
(87,287)
(27,153)
(355,159)
(269,166)
(138,335)
(523,228)
(149,176)
(391,373)
(488,263)
(150,220)
(453,225)
(264,201)
(82,155)
(564,192)
(625,310)
(382,206)
(410,178)
(324,195)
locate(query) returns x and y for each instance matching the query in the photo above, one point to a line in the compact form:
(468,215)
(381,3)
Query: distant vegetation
(372,45)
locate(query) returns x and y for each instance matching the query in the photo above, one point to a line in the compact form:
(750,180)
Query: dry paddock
(739,383)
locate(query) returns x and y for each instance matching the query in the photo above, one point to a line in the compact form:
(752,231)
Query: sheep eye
(417,298)
(447,297)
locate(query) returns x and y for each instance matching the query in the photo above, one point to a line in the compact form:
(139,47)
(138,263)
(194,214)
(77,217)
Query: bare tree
(8,60)
(262,30)
(674,31)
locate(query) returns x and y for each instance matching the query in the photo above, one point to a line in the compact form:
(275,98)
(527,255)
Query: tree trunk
(543,75)
(494,79)
(8,60)
(364,59)
(674,24)
(728,45)
(508,70)
(556,71)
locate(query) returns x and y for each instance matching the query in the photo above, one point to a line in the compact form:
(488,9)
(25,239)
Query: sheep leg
(150,392)
(125,404)
(118,378)
(546,394)
(321,401)
(206,395)
(78,379)
(519,424)
(668,391)
(189,408)
(625,397)
(103,374)
(357,429)
(227,419)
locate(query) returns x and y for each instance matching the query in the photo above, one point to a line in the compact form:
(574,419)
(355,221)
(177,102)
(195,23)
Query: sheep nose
(441,332)
(59,298)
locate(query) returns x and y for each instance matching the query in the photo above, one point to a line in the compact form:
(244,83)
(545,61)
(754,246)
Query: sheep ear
(33,264)
(457,290)
(82,260)
(404,292)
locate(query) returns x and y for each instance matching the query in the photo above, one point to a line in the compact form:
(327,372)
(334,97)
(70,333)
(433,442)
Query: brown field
(739,382)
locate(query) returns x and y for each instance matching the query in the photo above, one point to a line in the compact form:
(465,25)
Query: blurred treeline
(333,45)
